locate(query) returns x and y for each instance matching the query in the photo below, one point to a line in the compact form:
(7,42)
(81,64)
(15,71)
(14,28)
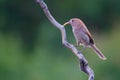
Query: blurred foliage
(31,48)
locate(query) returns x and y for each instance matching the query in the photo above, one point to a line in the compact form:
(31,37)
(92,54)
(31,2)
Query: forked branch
(83,62)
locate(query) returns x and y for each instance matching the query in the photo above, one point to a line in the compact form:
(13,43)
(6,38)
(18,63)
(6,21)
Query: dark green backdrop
(31,47)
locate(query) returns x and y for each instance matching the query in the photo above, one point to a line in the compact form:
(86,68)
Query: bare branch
(83,62)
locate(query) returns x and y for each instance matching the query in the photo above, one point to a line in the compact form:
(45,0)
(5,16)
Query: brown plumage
(83,36)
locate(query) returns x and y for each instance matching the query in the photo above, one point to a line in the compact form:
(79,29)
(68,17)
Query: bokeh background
(31,47)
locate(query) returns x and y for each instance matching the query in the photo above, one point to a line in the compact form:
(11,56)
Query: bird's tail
(98,52)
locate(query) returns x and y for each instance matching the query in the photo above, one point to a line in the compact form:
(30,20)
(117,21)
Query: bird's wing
(89,35)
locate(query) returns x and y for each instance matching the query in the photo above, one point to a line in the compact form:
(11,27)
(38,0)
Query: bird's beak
(66,23)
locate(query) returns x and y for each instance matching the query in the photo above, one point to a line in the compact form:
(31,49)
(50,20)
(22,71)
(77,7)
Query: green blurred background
(31,48)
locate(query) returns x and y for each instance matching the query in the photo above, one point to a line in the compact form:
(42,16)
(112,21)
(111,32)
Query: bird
(83,36)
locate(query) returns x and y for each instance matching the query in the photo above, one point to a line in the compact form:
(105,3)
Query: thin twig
(83,62)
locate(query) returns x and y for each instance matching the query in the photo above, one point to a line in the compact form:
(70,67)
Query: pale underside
(81,37)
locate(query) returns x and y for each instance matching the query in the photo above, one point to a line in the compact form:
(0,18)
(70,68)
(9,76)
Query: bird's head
(74,22)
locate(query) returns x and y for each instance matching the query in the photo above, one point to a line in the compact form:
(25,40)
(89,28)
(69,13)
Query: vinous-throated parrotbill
(83,36)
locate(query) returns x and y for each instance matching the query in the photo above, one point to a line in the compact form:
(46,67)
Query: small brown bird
(83,36)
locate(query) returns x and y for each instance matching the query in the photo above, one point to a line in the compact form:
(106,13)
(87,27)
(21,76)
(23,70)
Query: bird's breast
(81,36)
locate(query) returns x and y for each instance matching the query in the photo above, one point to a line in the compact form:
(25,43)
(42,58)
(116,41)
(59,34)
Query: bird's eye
(72,20)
